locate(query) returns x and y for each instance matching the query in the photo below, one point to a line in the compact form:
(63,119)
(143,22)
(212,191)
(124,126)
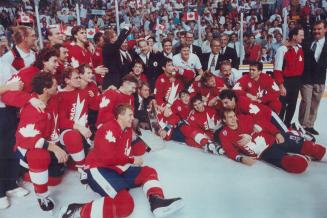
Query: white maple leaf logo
(14,79)
(171,95)
(275,87)
(110,137)
(104,102)
(260,93)
(191,89)
(29,131)
(54,135)
(74,63)
(212,124)
(78,117)
(237,86)
(254,109)
(127,148)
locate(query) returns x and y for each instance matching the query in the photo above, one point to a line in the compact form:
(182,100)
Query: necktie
(213,61)
(314,47)
(234,45)
(129,60)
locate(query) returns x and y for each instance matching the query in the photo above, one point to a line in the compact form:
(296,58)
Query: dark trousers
(275,153)
(9,165)
(292,86)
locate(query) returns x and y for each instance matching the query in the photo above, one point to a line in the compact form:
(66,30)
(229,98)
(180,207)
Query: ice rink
(211,186)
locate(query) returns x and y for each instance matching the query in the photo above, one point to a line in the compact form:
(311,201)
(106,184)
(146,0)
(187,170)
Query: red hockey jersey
(166,91)
(78,56)
(208,92)
(208,121)
(180,109)
(21,98)
(265,88)
(262,133)
(35,128)
(112,148)
(73,108)
(108,101)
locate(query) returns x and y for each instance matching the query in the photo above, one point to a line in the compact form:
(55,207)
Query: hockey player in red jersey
(112,171)
(201,125)
(37,135)
(88,84)
(73,118)
(137,71)
(168,123)
(208,87)
(167,85)
(111,98)
(78,52)
(47,62)
(182,107)
(259,87)
(245,140)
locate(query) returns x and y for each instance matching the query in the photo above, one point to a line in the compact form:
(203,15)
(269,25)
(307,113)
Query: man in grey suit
(314,77)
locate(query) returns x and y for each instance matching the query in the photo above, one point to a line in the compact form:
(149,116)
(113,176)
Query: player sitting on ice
(245,140)
(181,107)
(112,171)
(243,105)
(208,87)
(37,138)
(259,87)
(201,125)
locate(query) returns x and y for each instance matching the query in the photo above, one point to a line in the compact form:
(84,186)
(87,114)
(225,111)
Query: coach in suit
(314,77)
(211,61)
(193,48)
(228,53)
(151,62)
(116,57)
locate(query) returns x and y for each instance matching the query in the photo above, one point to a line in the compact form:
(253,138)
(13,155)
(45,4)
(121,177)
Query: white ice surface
(211,186)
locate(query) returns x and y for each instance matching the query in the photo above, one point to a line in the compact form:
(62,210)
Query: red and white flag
(90,32)
(189,16)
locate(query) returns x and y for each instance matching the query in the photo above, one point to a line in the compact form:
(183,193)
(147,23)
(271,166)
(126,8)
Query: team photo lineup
(93,86)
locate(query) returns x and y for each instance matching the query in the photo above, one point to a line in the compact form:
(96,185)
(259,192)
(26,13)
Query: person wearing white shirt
(228,74)
(22,54)
(9,166)
(186,61)
(314,77)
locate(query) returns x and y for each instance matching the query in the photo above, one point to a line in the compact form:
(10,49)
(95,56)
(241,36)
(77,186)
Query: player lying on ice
(246,140)
(112,171)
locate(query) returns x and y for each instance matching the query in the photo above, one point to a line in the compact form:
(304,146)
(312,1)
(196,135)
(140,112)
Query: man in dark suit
(116,57)
(211,61)
(151,62)
(193,48)
(226,52)
(314,77)
(167,51)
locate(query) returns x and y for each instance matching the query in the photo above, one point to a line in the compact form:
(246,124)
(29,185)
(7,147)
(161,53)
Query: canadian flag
(189,16)
(25,19)
(90,32)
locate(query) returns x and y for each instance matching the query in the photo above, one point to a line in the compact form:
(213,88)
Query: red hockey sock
(138,147)
(294,163)
(314,150)
(121,206)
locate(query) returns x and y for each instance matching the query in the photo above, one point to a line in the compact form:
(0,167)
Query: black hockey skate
(213,148)
(161,207)
(70,211)
(46,203)
(302,132)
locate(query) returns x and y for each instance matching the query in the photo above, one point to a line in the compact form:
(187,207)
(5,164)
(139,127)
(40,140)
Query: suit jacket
(152,69)
(112,60)
(195,50)
(230,54)
(314,72)
(205,60)
(141,112)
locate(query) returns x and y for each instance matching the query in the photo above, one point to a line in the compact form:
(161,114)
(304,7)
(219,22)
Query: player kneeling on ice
(245,140)
(112,171)
(37,138)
